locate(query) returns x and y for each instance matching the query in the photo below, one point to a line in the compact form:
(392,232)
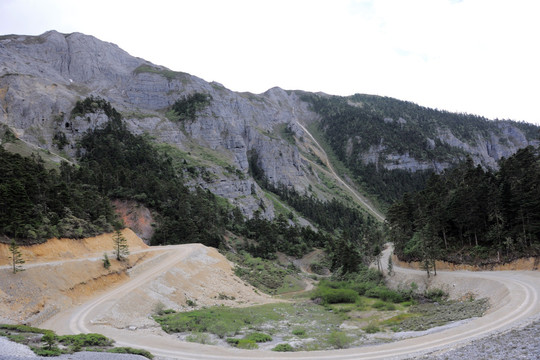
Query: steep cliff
(42,77)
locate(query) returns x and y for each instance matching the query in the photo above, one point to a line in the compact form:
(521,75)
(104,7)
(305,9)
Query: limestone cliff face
(42,77)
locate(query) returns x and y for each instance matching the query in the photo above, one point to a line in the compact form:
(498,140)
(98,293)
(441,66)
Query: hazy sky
(474,56)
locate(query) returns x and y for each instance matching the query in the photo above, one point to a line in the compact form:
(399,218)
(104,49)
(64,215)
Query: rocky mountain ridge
(42,77)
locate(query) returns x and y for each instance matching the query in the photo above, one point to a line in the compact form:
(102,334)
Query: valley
(285,224)
(172,274)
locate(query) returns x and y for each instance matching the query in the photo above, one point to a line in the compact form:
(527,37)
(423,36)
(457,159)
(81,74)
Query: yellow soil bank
(520,264)
(61,273)
(63,249)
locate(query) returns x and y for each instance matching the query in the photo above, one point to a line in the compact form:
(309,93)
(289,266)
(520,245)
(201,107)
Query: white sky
(474,56)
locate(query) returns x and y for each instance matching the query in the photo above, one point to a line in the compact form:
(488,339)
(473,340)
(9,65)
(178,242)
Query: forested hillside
(75,201)
(468,214)
(393,146)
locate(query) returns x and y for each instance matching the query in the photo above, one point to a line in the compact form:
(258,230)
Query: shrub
(259,337)
(385,294)
(200,338)
(82,340)
(436,295)
(47,352)
(283,347)
(361,288)
(339,340)
(24,328)
(383,305)
(233,341)
(372,329)
(247,344)
(129,350)
(335,296)
(222,328)
(299,332)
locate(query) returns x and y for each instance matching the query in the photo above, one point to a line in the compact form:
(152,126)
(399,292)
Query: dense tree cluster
(36,204)
(187,107)
(74,201)
(468,214)
(123,165)
(352,239)
(360,123)
(94,104)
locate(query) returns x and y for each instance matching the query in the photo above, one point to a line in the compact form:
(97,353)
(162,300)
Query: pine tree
(390,265)
(106,261)
(16,257)
(121,249)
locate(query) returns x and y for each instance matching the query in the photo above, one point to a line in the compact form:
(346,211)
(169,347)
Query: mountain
(392,146)
(230,137)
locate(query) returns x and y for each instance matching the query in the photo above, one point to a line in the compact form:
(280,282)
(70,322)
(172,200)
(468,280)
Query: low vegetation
(361,303)
(268,276)
(47,343)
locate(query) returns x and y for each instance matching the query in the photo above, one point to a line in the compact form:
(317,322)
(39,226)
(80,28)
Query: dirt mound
(197,276)
(61,273)
(64,249)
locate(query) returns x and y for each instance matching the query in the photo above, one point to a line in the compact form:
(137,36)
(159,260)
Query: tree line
(358,124)
(471,215)
(74,201)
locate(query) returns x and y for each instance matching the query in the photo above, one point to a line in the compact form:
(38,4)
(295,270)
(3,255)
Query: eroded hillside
(62,273)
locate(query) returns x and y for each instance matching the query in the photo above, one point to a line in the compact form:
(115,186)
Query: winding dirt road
(514,296)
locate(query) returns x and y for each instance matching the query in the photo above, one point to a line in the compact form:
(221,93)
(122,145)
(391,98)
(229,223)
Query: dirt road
(514,297)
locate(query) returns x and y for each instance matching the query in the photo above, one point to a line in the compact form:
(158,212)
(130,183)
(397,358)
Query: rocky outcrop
(42,77)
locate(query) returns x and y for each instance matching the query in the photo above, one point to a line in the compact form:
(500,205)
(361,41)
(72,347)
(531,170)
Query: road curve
(519,301)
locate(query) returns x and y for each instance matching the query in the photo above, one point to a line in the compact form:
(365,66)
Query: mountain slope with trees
(471,215)
(392,146)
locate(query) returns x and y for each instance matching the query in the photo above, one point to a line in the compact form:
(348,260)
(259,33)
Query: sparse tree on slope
(121,249)
(16,257)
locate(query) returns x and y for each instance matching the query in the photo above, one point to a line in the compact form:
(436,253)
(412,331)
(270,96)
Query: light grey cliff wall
(42,77)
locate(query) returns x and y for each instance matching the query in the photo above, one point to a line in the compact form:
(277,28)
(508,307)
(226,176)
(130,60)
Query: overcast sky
(474,56)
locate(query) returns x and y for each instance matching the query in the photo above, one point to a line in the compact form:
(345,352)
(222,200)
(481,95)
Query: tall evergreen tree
(16,257)
(121,249)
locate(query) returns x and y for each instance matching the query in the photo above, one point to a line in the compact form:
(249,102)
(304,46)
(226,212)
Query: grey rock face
(42,77)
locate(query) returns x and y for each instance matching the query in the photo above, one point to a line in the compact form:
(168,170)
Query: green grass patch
(372,329)
(166,73)
(218,320)
(291,284)
(48,344)
(259,337)
(335,296)
(266,275)
(85,340)
(283,348)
